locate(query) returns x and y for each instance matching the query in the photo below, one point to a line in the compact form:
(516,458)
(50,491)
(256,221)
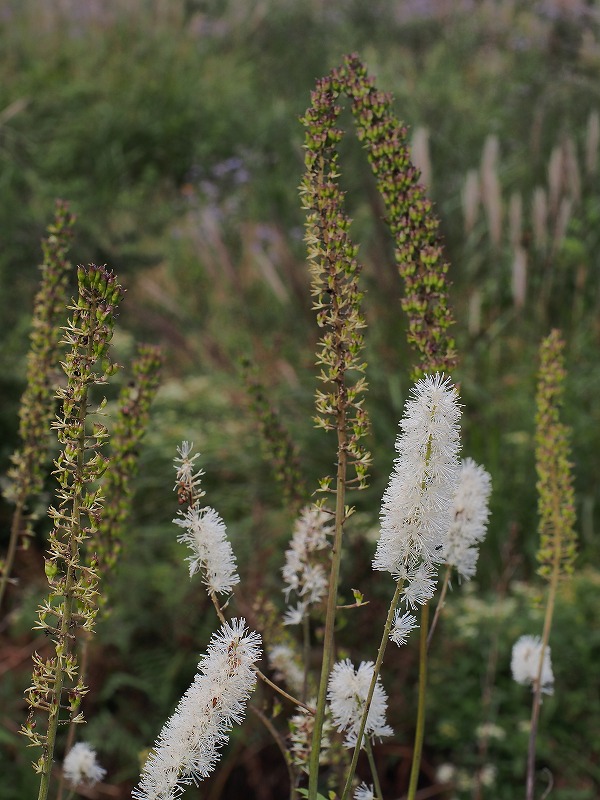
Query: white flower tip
(80,765)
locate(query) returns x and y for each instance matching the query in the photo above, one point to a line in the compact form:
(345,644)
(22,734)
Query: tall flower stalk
(415,518)
(57,686)
(556,507)
(37,409)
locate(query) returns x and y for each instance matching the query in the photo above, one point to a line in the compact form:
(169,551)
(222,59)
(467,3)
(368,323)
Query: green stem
(419,733)
(376,670)
(440,605)
(306,654)
(15,531)
(373,766)
(313,780)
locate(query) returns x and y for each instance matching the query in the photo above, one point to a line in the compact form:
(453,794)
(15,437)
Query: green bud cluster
(409,213)
(556,497)
(26,476)
(335,272)
(56,688)
(130,426)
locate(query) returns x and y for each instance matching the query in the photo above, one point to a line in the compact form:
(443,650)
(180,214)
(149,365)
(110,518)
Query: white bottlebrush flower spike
(364,792)
(302,574)
(187,748)
(402,626)
(525,663)
(347,692)
(80,765)
(469,518)
(212,554)
(415,513)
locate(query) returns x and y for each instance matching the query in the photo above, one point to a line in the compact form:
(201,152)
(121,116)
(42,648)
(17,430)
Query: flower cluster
(416,507)
(470,513)
(205,532)
(302,727)
(301,573)
(187,748)
(347,694)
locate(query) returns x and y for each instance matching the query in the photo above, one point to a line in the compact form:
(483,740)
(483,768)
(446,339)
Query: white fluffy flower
(187,748)
(301,574)
(525,663)
(402,626)
(469,518)
(80,765)
(364,792)
(347,692)
(415,513)
(206,536)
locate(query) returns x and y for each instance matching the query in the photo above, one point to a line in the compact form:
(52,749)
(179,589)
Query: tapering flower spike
(416,507)
(187,748)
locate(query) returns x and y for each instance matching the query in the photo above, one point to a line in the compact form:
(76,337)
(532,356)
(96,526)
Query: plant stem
(280,744)
(306,654)
(15,531)
(419,733)
(373,765)
(328,642)
(537,692)
(376,670)
(440,605)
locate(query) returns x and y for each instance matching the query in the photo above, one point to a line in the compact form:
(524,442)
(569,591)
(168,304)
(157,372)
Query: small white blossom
(487,775)
(364,792)
(445,773)
(212,554)
(402,626)
(301,573)
(187,481)
(187,748)
(294,616)
(525,663)
(415,513)
(80,765)
(469,518)
(420,586)
(347,692)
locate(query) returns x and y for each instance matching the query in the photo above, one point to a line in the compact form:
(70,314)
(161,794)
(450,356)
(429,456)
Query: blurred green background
(172,128)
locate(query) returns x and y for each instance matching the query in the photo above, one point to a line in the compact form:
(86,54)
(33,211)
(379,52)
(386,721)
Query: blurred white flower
(187,748)
(80,765)
(301,573)
(212,554)
(445,773)
(415,513)
(469,518)
(347,692)
(525,663)
(285,664)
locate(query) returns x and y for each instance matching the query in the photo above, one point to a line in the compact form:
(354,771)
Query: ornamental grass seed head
(525,664)
(347,693)
(416,506)
(187,748)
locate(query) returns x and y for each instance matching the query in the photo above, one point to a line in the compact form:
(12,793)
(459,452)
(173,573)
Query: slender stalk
(15,531)
(306,654)
(379,661)
(328,642)
(374,773)
(537,691)
(440,605)
(419,733)
(280,744)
